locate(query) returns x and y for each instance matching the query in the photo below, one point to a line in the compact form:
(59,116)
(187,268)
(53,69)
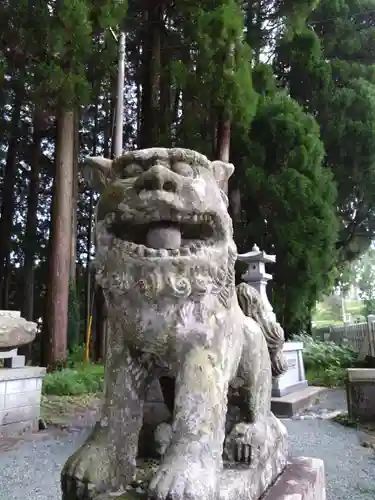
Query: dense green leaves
(329,69)
(289,204)
(295,80)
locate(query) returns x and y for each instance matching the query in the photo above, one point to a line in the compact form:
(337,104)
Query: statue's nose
(158,178)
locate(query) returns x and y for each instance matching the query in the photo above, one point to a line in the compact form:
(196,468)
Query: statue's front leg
(191,464)
(259,434)
(107,460)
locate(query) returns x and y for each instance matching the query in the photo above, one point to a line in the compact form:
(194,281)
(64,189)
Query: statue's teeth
(140,250)
(150,252)
(162,252)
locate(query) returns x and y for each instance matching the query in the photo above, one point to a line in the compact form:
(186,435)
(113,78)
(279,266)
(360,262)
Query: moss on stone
(110,199)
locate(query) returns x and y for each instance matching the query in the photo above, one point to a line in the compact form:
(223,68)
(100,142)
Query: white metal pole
(119,115)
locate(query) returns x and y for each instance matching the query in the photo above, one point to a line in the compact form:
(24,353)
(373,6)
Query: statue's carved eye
(132,170)
(183,169)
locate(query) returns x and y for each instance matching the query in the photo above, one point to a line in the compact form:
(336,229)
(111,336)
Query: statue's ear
(97,172)
(222,171)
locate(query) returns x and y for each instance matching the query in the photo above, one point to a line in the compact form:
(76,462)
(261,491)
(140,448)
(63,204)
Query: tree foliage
(292,82)
(289,202)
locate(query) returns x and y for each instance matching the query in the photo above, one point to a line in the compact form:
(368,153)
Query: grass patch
(83,378)
(346,421)
(62,410)
(326,377)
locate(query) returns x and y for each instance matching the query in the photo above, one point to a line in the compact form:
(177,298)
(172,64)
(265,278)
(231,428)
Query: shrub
(76,355)
(325,362)
(84,378)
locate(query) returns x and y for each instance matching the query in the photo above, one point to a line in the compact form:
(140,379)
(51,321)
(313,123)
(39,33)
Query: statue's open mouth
(180,235)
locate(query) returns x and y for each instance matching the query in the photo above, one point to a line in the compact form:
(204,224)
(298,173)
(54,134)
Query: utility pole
(116,152)
(119,113)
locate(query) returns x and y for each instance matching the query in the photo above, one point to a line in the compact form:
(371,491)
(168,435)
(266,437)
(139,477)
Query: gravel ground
(31,471)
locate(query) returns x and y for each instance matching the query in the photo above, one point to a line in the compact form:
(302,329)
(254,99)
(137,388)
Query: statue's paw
(245,444)
(88,472)
(163,438)
(185,477)
(253,443)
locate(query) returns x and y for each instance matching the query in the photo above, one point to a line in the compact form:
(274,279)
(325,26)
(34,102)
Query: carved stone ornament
(15,331)
(165,260)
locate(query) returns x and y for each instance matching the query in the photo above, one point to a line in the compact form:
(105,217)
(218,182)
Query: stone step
(295,402)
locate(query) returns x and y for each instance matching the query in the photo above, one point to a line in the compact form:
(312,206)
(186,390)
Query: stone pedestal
(294,379)
(361,394)
(302,479)
(20,395)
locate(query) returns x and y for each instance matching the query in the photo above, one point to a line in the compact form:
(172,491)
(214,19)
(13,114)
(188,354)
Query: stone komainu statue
(165,260)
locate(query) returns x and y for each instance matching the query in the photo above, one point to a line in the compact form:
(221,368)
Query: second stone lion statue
(165,260)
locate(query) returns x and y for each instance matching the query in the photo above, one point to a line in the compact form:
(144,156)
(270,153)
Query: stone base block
(15,362)
(278,392)
(20,395)
(244,483)
(361,394)
(302,479)
(17,428)
(294,403)
(8,354)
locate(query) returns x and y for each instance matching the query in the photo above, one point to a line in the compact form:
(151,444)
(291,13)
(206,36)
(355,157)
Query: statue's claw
(251,443)
(90,470)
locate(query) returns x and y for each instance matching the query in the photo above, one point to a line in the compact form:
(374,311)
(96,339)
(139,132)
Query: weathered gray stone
(14,330)
(14,362)
(361,394)
(303,479)
(173,309)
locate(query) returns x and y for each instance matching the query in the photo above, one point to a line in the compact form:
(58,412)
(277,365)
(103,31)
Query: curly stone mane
(251,304)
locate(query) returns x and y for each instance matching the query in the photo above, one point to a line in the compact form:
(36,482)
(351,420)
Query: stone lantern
(256,274)
(294,379)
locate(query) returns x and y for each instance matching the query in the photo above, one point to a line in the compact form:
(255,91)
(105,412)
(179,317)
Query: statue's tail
(252,306)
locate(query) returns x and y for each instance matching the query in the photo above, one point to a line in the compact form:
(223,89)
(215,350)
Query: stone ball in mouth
(164,236)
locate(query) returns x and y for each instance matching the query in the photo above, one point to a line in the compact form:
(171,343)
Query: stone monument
(20,385)
(165,260)
(294,377)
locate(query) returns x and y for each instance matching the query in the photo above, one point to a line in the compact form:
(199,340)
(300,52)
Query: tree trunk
(223,139)
(56,320)
(73,249)
(7,206)
(149,132)
(30,242)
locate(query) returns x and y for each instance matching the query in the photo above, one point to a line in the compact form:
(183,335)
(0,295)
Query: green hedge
(325,362)
(83,378)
